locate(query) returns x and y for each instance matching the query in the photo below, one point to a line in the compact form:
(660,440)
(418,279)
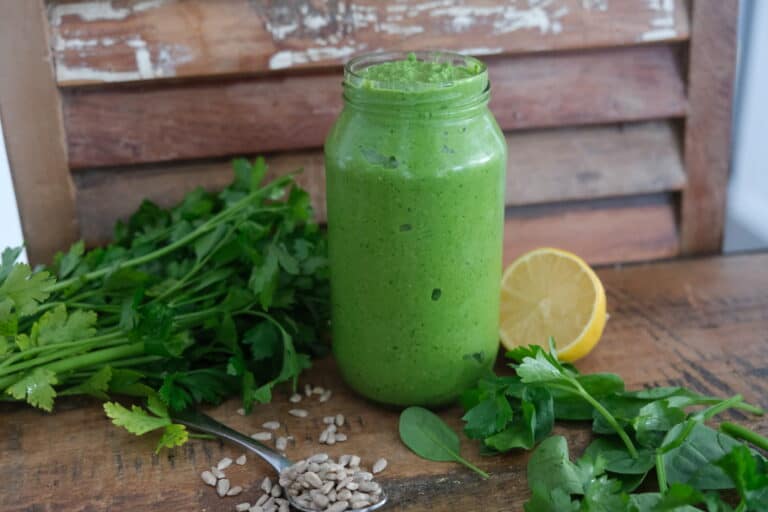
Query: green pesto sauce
(414,71)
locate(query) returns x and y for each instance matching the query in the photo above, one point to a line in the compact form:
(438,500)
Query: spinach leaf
(429,437)
(692,460)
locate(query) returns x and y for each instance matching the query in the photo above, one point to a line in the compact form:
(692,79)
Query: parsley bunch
(661,431)
(224,294)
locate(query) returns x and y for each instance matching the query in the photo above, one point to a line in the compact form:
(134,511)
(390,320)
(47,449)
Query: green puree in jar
(415,169)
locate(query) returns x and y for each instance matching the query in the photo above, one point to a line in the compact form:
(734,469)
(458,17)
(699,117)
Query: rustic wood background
(696,323)
(617,112)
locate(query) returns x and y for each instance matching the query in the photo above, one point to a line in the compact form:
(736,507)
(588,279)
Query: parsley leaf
(25,289)
(36,387)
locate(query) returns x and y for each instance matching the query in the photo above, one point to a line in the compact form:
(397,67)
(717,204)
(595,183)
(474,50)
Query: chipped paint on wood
(662,24)
(125,40)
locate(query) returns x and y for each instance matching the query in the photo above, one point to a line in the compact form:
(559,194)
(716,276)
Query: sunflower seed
(326,396)
(329,419)
(295,398)
(339,506)
(354,461)
(299,413)
(263,499)
(320,500)
(331,438)
(318,458)
(344,459)
(224,463)
(323,436)
(318,390)
(262,436)
(242,507)
(281,444)
(222,487)
(339,420)
(208,478)
(241,460)
(241,411)
(256,508)
(344,495)
(312,479)
(234,491)
(276,491)
(358,504)
(307,390)
(217,472)
(266,486)
(271,425)
(379,466)
(340,437)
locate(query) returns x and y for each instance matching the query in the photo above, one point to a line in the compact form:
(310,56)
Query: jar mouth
(353,70)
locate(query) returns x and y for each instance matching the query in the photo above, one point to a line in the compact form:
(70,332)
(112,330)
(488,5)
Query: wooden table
(697,323)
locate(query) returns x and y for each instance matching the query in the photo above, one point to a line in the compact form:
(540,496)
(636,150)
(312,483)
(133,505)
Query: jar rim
(354,66)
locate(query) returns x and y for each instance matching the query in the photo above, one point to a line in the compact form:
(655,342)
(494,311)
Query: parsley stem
(78,345)
(661,472)
(745,434)
(607,415)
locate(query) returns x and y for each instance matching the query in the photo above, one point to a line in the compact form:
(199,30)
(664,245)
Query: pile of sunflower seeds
(216,477)
(322,484)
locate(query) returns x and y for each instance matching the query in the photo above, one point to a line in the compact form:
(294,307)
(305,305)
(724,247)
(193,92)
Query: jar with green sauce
(415,168)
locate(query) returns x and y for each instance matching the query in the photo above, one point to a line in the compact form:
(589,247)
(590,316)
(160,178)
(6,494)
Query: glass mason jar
(415,168)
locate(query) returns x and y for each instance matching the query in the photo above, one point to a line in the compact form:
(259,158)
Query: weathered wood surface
(34,135)
(712,64)
(544,166)
(130,125)
(697,323)
(119,41)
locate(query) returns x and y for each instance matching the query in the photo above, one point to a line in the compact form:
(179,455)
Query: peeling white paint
(662,24)
(288,58)
(315,22)
(95,11)
(595,5)
(535,14)
(480,50)
(400,30)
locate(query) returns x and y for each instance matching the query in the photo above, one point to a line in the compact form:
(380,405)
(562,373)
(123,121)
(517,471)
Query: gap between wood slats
(122,126)
(130,41)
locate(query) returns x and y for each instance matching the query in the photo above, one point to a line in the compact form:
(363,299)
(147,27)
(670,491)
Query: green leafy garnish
(429,437)
(224,294)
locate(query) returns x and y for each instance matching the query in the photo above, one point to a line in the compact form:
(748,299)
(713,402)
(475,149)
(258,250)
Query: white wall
(10,227)
(747,212)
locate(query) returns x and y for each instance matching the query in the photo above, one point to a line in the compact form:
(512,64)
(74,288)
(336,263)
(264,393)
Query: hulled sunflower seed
(281,444)
(339,506)
(354,461)
(295,398)
(307,390)
(340,437)
(323,436)
(331,438)
(208,478)
(276,491)
(358,504)
(299,413)
(318,390)
(379,466)
(241,411)
(241,460)
(222,487)
(339,420)
(266,486)
(262,436)
(320,500)
(312,479)
(329,419)
(242,507)
(217,472)
(326,396)
(318,458)
(344,459)
(271,425)
(234,491)
(224,464)
(263,499)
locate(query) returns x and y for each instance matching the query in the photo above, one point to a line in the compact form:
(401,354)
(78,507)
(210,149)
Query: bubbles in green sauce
(412,70)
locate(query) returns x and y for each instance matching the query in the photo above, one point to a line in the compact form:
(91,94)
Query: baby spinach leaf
(550,468)
(429,437)
(693,461)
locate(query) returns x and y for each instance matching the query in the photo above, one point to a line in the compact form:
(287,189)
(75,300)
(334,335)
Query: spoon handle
(204,423)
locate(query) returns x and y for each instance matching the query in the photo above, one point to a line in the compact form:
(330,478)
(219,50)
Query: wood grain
(671,324)
(609,231)
(712,63)
(130,125)
(544,166)
(143,40)
(34,136)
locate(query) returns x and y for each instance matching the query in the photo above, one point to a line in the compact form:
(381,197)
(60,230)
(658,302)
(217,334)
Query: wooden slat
(544,166)
(149,39)
(608,231)
(671,324)
(161,123)
(712,63)
(31,116)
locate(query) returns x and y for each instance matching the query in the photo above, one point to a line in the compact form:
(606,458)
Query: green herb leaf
(135,420)
(749,474)
(25,289)
(693,461)
(36,387)
(96,385)
(173,435)
(429,437)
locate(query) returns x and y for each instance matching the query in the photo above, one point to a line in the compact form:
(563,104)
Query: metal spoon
(204,423)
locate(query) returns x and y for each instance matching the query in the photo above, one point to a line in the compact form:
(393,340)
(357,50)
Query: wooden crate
(616,112)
